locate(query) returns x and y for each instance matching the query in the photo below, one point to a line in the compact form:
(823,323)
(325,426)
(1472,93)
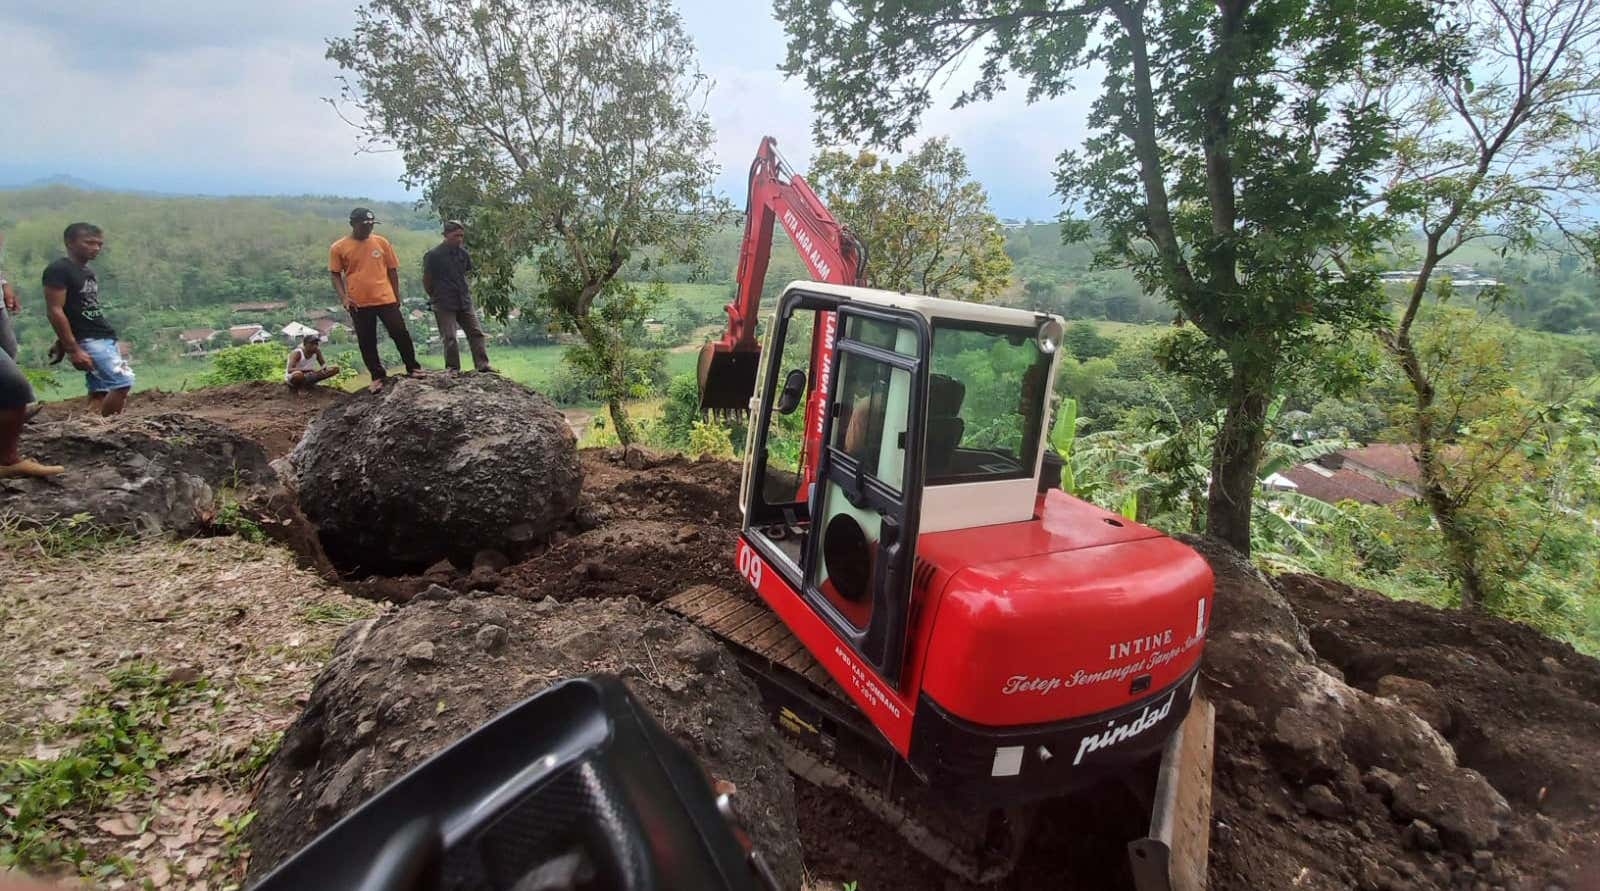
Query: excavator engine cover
(727,377)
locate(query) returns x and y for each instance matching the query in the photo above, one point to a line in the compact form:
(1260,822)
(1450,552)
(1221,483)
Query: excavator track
(828,743)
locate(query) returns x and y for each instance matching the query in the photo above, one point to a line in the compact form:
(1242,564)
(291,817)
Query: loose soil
(270,413)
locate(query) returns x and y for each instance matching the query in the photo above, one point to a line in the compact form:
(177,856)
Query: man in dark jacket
(444,277)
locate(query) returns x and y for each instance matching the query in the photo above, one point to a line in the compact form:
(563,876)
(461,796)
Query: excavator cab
(935,614)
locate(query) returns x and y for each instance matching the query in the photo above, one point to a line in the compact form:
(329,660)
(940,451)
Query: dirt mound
(1519,707)
(154,473)
(402,686)
(647,525)
(438,467)
(268,412)
(1320,784)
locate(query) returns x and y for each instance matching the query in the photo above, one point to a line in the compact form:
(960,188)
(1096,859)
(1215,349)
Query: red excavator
(940,629)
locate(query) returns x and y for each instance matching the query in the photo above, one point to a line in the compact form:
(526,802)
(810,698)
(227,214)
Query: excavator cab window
(847,540)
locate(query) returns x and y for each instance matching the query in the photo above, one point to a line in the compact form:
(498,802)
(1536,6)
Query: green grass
(78,534)
(335,613)
(118,744)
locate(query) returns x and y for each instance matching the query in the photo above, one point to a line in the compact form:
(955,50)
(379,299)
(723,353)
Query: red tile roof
(1393,460)
(1343,484)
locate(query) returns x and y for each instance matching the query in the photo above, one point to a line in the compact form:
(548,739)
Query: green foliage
(76,535)
(232,518)
(335,613)
(679,413)
(1223,164)
(926,225)
(609,366)
(574,133)
(1084,341)
(251,362)
(117,744)
(173,263)
(710,437)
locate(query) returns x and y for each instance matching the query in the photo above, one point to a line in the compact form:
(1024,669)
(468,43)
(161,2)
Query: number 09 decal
(749,564)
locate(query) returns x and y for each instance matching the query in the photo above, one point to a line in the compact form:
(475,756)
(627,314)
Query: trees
(1223,159)
(1501,150)
(926,224)
(570,132)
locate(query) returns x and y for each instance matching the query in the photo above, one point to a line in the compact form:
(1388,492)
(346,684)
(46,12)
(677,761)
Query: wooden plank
(744,615)
(747,634)
(714,615)
(1175,855)
(770,639)
(785,649)
(693,601)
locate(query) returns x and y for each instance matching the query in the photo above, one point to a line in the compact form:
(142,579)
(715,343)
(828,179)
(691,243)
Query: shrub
(252,362)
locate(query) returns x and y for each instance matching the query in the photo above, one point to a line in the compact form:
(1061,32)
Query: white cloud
(227,98)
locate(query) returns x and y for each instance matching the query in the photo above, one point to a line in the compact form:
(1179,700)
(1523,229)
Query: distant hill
(60,179)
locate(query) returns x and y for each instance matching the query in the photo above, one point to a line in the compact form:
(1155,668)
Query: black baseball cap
(363,215)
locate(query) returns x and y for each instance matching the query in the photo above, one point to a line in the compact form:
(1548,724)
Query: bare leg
(114,402)
(97,404)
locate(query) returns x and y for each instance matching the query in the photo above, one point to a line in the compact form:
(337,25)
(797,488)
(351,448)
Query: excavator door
(866,499)
(833,497)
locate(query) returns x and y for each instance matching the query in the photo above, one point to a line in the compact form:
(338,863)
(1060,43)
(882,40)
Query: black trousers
(365,319)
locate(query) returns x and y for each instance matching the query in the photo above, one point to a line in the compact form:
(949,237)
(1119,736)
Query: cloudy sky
(226,98)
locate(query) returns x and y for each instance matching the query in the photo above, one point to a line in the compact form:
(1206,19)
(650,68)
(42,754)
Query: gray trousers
(467,320)
(15,391)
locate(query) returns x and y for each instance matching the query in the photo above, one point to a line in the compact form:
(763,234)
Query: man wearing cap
(306,368)
(444,277)
(366,277)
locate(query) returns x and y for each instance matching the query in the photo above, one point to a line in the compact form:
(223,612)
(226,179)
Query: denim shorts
(111,371)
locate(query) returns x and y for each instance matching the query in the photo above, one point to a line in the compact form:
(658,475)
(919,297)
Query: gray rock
(436,467)
(1419,696)
(420,652)
(328,800)
(436,592)
(491,638)
(154,474)
(1462,806)
(1321,801)
(718,716)
(1381,783)
(1420,836)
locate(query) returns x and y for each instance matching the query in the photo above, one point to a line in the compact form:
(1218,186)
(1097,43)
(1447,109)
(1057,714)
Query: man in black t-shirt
(444,277)
(72,295)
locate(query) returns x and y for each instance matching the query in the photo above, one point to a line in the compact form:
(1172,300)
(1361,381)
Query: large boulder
(437,467)
(151,474)
(404,685)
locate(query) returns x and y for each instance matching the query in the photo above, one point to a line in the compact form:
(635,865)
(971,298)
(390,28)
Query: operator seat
(945,426)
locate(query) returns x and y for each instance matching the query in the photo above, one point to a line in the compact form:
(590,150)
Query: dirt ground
(238,625)
(1518,707)
(269,413)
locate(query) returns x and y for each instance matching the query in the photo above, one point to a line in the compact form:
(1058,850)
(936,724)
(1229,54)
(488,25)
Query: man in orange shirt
(367,279)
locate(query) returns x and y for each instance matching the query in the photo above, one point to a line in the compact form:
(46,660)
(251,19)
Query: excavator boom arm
(728,366)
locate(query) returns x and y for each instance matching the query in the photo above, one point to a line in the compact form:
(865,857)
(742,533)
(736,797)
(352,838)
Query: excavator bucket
(1173,857)
(727,377)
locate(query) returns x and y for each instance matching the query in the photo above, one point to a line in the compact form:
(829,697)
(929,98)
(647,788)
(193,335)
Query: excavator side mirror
(794,386)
